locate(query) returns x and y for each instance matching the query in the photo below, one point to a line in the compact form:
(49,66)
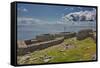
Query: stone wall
(24,46)
(70,35)
(40,46)
(32,41)
(82,34)
(41,41)
(65,35)
(45,37)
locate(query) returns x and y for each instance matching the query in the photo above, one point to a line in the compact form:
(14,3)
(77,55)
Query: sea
(30,31)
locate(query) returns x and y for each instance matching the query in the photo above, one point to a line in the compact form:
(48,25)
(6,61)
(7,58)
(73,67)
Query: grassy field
(83,50)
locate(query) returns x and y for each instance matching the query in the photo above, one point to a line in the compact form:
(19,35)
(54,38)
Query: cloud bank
(31,21)
(27,20)
(81,16)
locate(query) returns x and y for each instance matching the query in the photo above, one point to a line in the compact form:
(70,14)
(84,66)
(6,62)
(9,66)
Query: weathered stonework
(82,34)
(38,46)
(48,40)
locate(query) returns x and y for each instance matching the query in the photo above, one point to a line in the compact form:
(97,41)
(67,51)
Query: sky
(54,14)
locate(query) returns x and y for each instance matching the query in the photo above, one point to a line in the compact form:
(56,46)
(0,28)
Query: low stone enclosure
(82,34)
(38,46)
(48,40)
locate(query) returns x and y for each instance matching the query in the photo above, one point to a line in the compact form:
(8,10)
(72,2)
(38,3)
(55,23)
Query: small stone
(46,60)
(34,58)
(61,50)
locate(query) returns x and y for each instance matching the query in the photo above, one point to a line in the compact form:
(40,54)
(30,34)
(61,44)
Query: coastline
(47,40)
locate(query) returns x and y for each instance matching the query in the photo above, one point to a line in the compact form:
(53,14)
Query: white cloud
(80,16)
(27,20)
(31,21)
(25,10)
(65,8)
(71,8)
(22,9)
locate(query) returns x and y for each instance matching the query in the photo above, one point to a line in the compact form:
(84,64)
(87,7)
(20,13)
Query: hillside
(68,51)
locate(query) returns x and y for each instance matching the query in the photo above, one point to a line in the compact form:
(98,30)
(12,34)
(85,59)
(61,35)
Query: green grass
(83,51)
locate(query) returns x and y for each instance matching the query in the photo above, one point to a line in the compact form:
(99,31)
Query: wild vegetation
(69,50)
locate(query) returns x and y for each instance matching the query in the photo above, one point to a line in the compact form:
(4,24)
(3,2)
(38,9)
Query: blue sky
(48,12)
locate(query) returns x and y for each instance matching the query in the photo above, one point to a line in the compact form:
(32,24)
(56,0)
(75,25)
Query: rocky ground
(68,51)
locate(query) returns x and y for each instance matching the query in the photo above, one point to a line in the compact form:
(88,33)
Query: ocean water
(30,31)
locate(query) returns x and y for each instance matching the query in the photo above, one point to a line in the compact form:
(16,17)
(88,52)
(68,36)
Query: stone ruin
(45,37)
(82,34)
(41,41)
